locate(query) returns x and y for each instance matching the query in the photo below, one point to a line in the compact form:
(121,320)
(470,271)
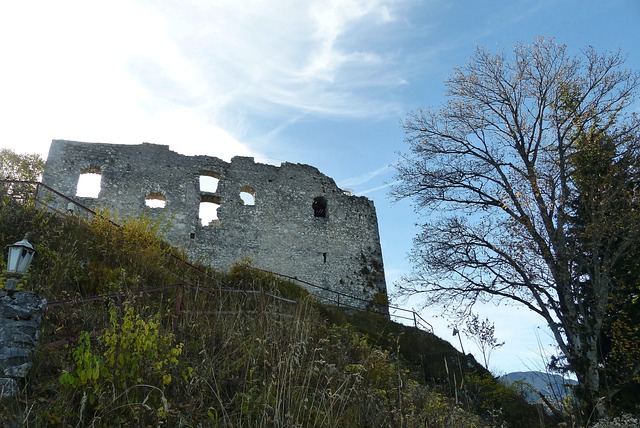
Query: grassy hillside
(135,337)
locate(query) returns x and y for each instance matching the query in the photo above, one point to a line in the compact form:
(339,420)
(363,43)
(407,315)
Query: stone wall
(297,222)
(20,318)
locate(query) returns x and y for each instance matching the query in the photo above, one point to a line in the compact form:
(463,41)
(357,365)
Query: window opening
(208,213)
(319,206)
(89,183)
(209,183)
(155,200)
(248,195)
(324,257)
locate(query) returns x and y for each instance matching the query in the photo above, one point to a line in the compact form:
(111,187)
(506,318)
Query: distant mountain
(554,387)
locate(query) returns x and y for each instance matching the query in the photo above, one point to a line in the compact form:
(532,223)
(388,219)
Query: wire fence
(60,204)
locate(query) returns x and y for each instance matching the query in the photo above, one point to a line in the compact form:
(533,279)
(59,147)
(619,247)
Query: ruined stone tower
(291,220)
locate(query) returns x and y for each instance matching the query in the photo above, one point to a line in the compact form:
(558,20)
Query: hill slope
(134,336)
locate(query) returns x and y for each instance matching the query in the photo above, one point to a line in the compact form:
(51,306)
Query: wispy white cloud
(374,176)
(275,132)
(363,178)
(332,20)
(377,188)
(73,70)
(168,72)
(288,55)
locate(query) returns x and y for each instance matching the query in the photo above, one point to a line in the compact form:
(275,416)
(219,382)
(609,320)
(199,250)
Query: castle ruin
(291,220)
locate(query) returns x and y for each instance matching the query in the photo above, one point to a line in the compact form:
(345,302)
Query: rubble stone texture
(297,222)
(20,318)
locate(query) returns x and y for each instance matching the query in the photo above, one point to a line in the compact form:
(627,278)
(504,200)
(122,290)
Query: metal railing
(341,299)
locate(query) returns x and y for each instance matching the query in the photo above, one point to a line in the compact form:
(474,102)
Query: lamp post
(19,256)
(18,334)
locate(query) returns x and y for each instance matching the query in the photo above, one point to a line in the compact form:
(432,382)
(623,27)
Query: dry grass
(247,360)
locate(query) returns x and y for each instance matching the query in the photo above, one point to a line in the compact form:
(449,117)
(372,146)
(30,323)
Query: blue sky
(326,83)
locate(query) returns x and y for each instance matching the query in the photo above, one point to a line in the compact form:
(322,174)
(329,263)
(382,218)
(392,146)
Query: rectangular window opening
(89,183)
(319,206)
(209,182)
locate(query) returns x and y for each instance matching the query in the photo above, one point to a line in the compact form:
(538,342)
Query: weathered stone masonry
(299,223)
(20,318)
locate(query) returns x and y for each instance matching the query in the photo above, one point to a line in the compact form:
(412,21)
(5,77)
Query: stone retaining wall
(20,318)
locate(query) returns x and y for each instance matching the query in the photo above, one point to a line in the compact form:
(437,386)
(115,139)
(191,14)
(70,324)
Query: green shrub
(133,365)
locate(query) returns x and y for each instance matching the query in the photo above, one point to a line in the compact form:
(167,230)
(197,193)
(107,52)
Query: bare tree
(491,172)
(483,334)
